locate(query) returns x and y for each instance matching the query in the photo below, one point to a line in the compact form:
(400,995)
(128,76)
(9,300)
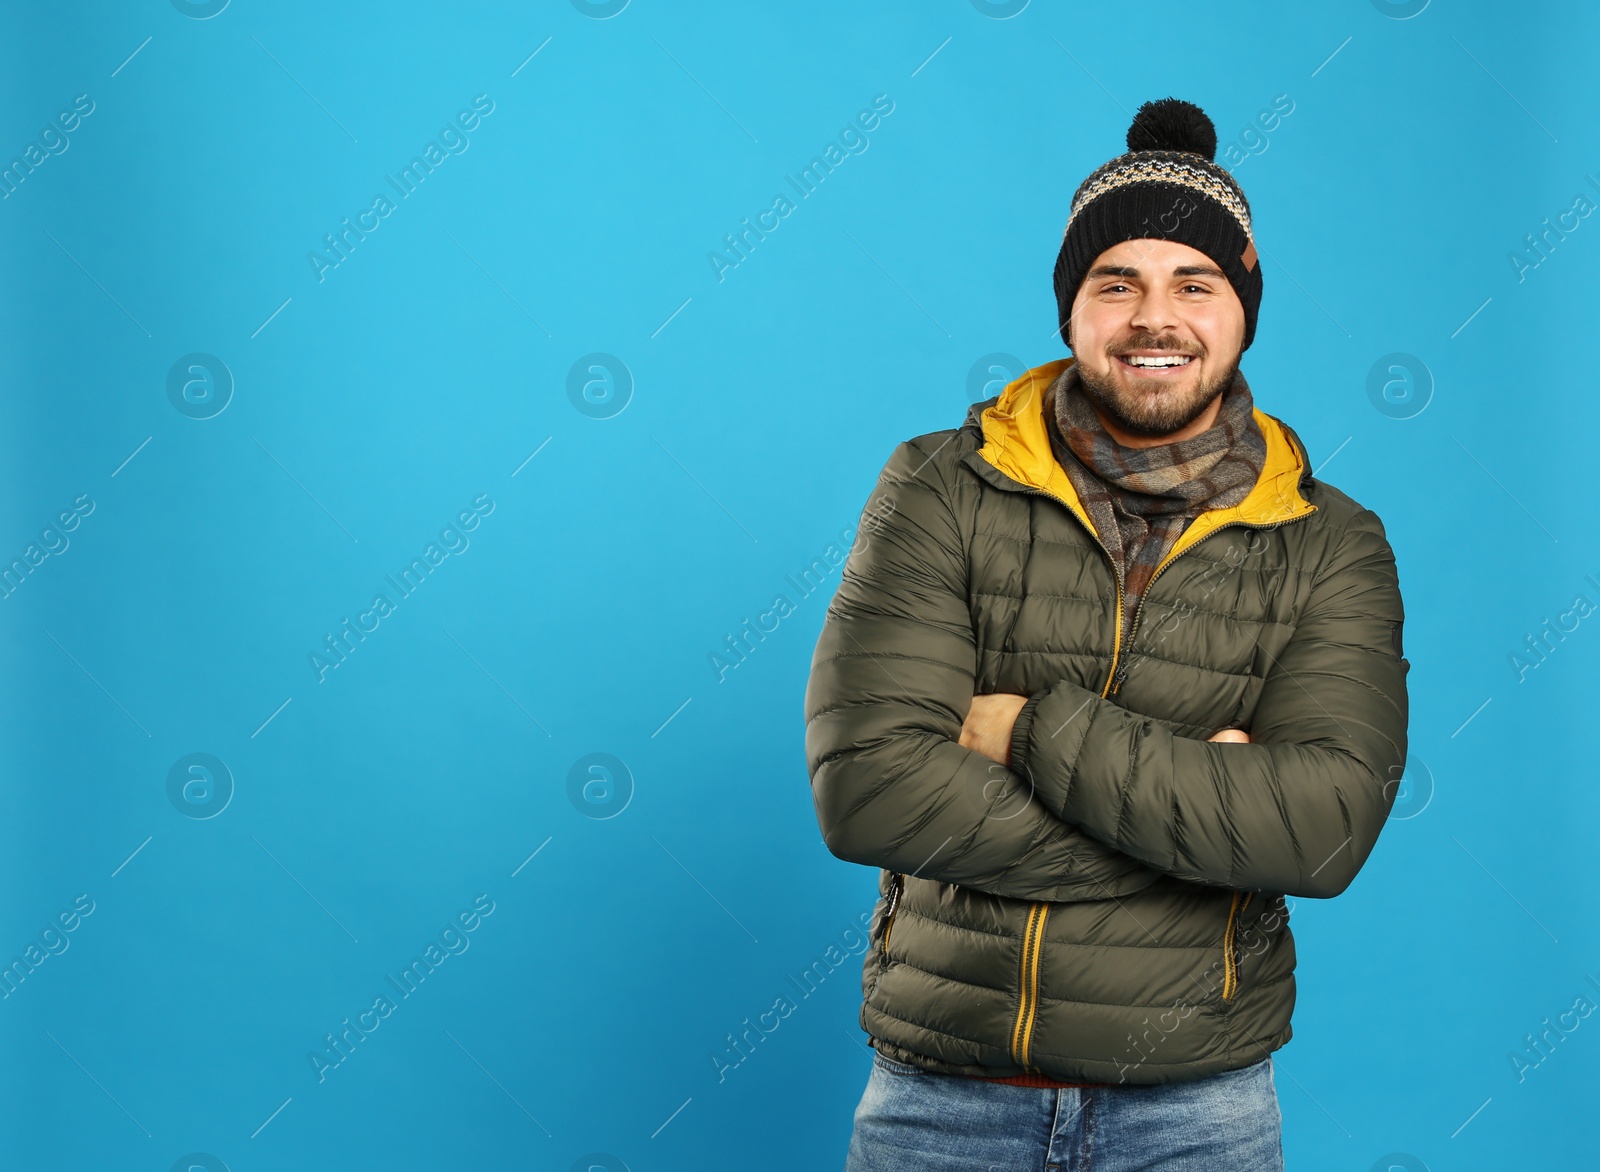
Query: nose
(1155,312)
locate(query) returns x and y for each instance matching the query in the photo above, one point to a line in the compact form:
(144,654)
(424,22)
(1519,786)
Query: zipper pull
(896,883)
(1116,680)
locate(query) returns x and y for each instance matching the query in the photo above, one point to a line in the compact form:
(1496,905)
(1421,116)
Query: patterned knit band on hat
(1165,188)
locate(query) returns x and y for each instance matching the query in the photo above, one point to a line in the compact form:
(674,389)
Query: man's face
(1155,301)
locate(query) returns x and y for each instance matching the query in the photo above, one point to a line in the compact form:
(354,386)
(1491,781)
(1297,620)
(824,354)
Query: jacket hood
(1015,443)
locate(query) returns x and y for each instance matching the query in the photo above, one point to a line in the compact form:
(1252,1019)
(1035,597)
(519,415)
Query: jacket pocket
(896,885)
(1230,945)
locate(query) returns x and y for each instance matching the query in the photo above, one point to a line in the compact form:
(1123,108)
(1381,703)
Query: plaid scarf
(1142,499)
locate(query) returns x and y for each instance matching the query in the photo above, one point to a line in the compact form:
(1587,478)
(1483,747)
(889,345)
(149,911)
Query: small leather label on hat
(1248,256)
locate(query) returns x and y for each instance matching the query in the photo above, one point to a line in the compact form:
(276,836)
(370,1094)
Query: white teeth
(1174,360)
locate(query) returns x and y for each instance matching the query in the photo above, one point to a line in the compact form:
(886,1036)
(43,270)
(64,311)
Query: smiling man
(1111,677)
(1153,389)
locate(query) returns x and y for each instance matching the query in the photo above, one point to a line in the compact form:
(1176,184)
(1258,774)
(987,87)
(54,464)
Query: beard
(1152,416)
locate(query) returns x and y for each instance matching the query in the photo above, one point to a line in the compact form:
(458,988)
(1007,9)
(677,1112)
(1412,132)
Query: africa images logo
(200,385)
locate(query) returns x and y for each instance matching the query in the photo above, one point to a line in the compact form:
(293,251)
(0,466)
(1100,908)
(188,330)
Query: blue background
(1434,377)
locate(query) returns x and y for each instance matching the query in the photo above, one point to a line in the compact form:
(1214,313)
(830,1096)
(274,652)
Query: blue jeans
(912,1120)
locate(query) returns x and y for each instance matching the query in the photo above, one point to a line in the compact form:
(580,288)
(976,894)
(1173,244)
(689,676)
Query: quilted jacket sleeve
(1299,809)
(891,683)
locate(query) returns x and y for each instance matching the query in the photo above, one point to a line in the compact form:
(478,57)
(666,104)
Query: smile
(1155,362)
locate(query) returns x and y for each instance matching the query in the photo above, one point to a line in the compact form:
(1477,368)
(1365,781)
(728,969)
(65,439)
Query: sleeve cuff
(1021,730)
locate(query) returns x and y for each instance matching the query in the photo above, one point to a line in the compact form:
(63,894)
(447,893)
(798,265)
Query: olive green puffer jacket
(1110,907)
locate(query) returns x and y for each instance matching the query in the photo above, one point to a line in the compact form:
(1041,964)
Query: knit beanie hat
(1165,188)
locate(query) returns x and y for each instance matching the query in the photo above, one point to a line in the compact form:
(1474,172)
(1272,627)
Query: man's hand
(987,728)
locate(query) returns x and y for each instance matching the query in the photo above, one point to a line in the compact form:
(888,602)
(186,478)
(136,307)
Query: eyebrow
(1180,271)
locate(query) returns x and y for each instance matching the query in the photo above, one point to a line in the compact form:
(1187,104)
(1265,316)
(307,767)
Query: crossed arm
(992,721)
(902,753)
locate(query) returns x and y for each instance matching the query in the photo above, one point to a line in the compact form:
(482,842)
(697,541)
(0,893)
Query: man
(1108,675)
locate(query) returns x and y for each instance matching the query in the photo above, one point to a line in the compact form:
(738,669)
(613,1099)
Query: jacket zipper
(896,884)
(1032,940)
(1230,946)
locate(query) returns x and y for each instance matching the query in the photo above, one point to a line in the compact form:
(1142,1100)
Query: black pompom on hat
(1166,187)
(1172,125)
